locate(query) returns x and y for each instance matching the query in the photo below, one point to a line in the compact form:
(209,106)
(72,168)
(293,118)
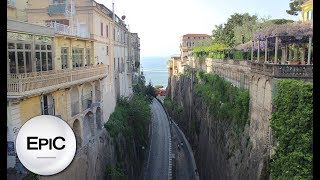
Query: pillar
(266,51)
(302,55)
(309,50)
(258,55)
(252,51)
(295,53)
(290,55)
(276,51)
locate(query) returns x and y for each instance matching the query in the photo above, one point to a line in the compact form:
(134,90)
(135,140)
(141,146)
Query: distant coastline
(155,70)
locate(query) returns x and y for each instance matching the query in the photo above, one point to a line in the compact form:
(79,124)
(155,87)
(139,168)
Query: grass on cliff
(292,128)
(225,101)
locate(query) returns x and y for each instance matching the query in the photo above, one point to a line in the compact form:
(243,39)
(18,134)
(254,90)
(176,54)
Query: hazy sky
(160,23)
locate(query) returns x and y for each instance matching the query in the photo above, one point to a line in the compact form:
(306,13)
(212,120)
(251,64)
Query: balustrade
(20,84)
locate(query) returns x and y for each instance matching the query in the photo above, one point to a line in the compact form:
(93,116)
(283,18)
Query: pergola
(296,35)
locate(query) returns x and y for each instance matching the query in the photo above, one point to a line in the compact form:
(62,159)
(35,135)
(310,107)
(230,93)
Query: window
(114,34)
(87,57)
(47,105)
(107,31)
(64,58)
(77,57)
(43,57)
(101,29)
(107,50)
(19,57)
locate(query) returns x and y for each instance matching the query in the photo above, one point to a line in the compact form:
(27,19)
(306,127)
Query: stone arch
(77,132)
(86,96)
(98,118)
(88,126)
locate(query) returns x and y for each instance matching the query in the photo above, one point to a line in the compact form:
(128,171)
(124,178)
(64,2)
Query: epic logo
(44,142)
(45,145)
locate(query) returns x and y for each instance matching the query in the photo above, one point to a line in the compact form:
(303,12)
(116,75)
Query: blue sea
(155,70)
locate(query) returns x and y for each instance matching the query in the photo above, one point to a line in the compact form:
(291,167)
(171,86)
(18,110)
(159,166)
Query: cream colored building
(51,74)
(188,41)
(70,60)
(16,10)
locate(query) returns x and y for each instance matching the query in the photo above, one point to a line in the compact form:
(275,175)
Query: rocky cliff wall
(220,151)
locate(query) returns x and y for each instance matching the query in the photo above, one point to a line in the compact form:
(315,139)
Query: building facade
(72,59)
(188,41)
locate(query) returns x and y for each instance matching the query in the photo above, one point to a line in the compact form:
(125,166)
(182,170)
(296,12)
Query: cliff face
(220,152)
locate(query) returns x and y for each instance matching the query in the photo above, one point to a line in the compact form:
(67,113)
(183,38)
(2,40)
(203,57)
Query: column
(276,51)
(252,51)
(266,51)
(258,55)
(302,55)
(295,53)
(309,50)
(290,55)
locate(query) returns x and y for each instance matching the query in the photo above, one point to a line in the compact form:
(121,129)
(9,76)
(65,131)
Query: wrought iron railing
(67,30)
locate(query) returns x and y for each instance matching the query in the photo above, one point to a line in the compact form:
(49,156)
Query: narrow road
(184,167)
(158,161)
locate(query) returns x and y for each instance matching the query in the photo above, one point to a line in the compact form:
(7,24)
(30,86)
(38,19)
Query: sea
(155,70)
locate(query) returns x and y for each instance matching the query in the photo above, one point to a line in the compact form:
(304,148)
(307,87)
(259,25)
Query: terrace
(27,84)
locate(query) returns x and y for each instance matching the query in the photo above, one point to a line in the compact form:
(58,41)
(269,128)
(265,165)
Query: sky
(161,23)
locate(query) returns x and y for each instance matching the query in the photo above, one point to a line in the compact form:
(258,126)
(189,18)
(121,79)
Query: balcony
(59,8)
(11,3)
(22,85)
(67,30)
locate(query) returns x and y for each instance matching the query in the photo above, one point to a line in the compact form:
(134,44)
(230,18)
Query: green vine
(225,101)
(292,128)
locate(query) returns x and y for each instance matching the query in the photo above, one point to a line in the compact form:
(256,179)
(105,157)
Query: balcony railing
(67,30)
(11,3)
(37,82)
(283,71)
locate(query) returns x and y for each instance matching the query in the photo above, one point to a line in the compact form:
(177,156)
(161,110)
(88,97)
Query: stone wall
(221,153)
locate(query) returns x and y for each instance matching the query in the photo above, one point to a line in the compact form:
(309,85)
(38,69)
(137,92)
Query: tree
(295,7)
(225,33)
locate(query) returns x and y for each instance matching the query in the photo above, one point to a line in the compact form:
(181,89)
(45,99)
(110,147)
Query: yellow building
(307,10)
(52,74)
(16,9)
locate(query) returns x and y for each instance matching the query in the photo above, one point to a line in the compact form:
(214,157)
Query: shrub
(292,128)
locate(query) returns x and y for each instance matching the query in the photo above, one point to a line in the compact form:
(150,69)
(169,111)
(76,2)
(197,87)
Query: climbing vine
(225,101)
(292,128)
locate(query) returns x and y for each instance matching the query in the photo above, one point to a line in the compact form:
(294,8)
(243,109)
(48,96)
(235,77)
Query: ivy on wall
(292,127)
(224,101)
